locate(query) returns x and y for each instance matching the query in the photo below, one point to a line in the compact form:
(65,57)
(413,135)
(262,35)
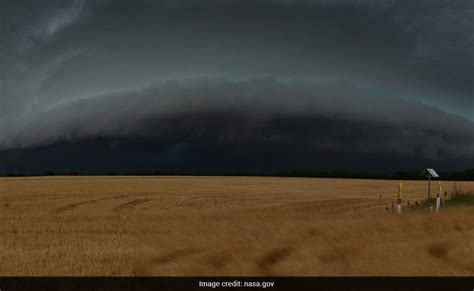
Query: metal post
(440,194)
(429,187)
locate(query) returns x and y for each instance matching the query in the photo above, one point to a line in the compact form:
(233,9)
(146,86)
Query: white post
(399,209)
(438,202)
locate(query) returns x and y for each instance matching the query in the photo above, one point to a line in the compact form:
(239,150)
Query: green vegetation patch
(461,198)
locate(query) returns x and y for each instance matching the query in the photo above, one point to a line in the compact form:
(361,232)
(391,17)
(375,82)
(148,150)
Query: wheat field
(184,225)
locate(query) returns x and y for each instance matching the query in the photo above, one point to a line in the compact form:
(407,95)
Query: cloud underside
(251,119)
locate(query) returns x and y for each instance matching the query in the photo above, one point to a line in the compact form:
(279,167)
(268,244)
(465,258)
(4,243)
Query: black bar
(236,283)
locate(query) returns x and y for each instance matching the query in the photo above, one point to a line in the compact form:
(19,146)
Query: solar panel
(433,173)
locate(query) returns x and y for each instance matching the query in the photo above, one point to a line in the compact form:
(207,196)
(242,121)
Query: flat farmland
(185,225)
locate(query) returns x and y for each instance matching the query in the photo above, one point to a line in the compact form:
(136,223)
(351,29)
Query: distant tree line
(467,175)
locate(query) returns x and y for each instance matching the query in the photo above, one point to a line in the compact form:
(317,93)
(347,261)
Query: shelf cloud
(371,79)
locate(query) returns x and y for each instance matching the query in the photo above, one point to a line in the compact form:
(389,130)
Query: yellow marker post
(400,191)
(438,199)
(399,200)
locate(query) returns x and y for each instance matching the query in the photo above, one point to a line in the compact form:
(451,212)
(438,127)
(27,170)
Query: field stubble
(227,226)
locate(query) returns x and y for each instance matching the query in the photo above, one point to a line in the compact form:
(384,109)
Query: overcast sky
(263,85)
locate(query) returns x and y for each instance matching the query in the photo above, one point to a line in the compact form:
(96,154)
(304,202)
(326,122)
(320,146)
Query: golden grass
(226,226)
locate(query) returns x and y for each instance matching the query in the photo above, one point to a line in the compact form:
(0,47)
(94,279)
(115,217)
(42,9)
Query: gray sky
(75,70)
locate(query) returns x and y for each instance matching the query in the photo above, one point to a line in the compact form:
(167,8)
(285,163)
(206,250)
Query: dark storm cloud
(80,48)
(72,70)
(25,27)
(328,115)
